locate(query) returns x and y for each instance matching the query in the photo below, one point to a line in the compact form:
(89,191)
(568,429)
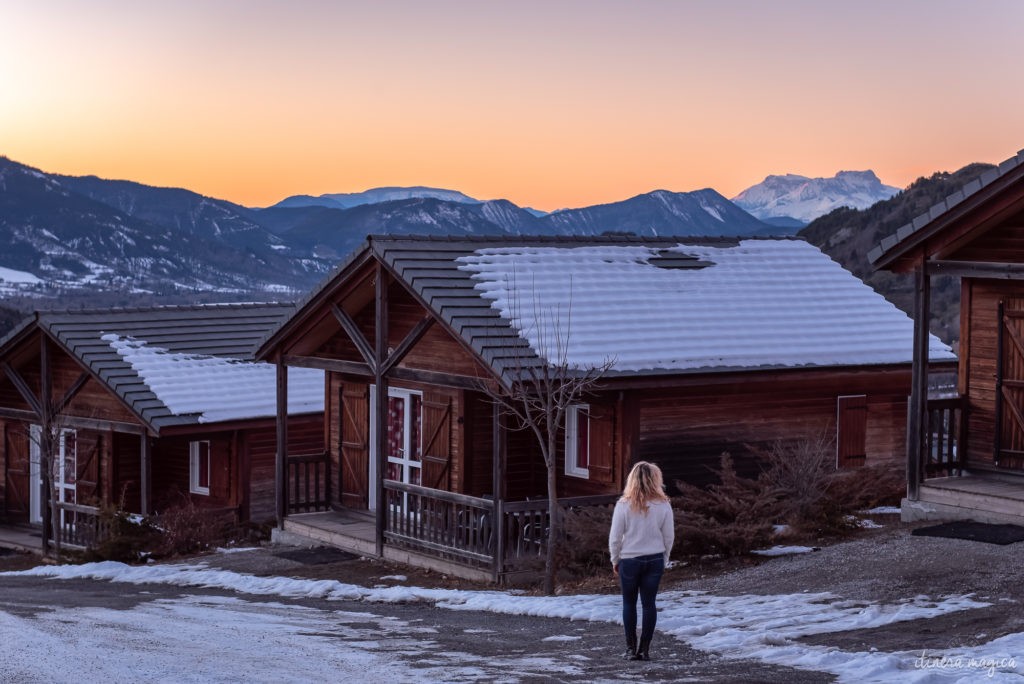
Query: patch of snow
(779,550)
(883,510)
(761,627)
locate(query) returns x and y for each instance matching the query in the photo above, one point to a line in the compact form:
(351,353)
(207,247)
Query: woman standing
(640,541)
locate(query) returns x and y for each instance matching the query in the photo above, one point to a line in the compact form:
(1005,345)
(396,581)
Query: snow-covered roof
(653,305)
(750,304)
(182,365)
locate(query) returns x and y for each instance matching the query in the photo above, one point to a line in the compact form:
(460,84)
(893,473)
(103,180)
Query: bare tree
(53,441)
(538,387)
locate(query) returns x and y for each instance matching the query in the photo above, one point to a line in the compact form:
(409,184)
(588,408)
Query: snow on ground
(780,550)
(763,627)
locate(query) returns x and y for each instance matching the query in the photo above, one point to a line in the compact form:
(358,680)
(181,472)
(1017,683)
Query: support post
(146,475)
(46,441)
(919,383)
(498,487)
(381,351)
(280,459)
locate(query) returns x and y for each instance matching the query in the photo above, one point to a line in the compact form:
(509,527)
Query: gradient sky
(549,104)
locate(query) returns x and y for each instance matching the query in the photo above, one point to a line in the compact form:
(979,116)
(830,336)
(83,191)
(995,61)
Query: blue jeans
(640,576)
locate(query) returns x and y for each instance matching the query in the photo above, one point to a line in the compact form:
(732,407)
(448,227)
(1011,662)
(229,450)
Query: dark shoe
(630,647)
(643,652)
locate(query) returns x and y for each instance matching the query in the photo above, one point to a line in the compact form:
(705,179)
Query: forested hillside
(848,234)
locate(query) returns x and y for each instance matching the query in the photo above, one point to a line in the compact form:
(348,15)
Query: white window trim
(572,418)
(193,467)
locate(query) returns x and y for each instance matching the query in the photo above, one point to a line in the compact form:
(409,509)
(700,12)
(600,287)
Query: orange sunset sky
(549,104)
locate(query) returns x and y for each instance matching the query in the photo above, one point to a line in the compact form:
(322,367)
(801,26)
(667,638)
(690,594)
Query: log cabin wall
(686,430)
(258,448)
(979,360)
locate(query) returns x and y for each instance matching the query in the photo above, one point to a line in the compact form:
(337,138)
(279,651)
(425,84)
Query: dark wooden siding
(1002,244)
(686,431)
(15,458)
(305,436)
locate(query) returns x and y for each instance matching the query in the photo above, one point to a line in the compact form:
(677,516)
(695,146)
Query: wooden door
(355,445)
(1009,447)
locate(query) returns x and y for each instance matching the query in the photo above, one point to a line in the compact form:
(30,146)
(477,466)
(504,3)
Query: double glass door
(403,446)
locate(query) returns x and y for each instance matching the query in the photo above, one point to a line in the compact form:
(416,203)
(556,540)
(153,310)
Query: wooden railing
(462,527)
(309,482)
(79,526)
(943,449)
(441,522)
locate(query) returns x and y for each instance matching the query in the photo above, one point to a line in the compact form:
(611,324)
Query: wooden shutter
(16,477)
(220,470)
(852,424)
(602,443)
(1010,386)
(437,441)
(355,445)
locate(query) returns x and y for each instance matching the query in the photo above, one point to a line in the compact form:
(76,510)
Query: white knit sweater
(636,533)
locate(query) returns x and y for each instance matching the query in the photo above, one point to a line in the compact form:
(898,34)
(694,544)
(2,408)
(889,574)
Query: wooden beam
(146,475)
(281,454)
(976,269)
(46,436)
(917,423)
(335,365)
(356,335)
(498,487)
(23,389)
(381,381)
(77,422)
(72,392)
(414,336)
(434,378)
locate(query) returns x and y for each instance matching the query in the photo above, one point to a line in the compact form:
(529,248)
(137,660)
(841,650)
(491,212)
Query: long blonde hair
(644,485)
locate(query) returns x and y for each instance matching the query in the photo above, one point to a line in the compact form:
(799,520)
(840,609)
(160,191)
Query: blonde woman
(640,541)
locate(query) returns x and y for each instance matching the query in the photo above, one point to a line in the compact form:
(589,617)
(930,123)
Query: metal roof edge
(883,255)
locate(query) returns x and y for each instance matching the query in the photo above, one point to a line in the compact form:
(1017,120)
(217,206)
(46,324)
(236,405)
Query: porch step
(357,535)
(991,498)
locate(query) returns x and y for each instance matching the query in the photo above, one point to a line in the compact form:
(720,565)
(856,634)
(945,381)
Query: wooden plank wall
(305,435)
(686,432)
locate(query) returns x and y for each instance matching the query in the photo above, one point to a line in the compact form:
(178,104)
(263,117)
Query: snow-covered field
(765,628)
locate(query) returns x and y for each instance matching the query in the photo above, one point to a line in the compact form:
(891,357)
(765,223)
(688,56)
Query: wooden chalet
(717,345)
(965,457)
(147,408)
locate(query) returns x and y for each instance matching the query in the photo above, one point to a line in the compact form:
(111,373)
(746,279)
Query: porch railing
(462,527)
(80,526)
(942,451)
(439,521)
(309,482)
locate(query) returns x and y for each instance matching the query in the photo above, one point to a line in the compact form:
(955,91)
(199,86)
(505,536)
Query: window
(577,440)
(199,467)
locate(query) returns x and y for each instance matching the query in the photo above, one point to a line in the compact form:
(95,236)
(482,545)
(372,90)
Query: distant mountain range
(101,242)
(67,235)
(804,199)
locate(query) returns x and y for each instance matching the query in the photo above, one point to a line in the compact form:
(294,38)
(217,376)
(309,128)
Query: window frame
(572,422)
(194,454)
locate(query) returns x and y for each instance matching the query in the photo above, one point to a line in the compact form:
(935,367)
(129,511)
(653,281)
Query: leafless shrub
(586,549)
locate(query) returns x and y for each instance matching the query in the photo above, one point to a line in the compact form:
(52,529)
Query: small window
(199,467)
(577,441)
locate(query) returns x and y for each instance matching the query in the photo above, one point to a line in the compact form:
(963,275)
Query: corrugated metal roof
(929,221)
(176,365)
(722,304)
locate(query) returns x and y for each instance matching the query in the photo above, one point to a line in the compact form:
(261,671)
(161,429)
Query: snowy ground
(259,636)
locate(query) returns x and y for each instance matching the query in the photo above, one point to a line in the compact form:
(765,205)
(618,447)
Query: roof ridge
(571,239)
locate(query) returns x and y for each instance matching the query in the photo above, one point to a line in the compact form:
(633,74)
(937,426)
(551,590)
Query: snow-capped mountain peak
(805,199)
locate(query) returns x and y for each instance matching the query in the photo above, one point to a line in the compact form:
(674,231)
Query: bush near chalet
(799,486)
